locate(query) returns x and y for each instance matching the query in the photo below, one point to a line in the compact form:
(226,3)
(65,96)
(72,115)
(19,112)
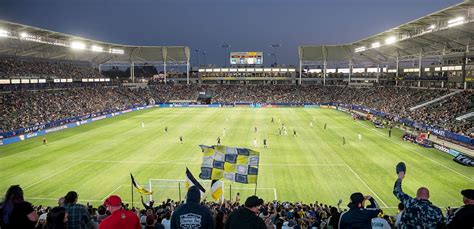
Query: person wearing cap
(357,216)
(119,217)
(462,217)
(419,211)
(246,217)
(192,214)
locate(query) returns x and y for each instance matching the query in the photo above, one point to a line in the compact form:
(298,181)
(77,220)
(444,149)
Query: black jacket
(192,214)
(359,217)
(244,218)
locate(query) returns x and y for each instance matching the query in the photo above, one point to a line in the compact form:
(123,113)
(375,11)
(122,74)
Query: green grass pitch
(95,159)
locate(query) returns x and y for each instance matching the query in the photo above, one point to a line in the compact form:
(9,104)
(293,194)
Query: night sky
(247,25)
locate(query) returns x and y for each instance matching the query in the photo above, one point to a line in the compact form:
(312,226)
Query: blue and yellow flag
(235,164)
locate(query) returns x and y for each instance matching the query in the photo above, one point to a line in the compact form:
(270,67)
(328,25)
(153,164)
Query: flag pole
(131,189)
(256,182)
(179,191)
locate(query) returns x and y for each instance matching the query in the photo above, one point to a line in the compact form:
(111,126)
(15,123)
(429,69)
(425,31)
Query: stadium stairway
(465,116)
(435,100)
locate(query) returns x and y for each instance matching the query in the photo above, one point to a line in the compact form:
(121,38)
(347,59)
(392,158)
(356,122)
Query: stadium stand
(27,108)
(43,68)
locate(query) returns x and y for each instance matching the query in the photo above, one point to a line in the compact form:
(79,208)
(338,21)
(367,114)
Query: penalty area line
(366,185)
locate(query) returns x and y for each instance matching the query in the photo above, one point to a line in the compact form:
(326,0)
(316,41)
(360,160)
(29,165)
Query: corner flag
(139,188)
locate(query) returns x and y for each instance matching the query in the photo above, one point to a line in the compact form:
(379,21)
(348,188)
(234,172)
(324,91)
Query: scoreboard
(246,58)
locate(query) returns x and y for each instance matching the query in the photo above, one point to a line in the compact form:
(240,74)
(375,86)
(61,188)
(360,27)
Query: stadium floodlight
(360,49)
(390,40)
(432,27)
(77,45)
(456,21)
(375,45)
(96,48)
(3,33)
(24,35)
(116,51)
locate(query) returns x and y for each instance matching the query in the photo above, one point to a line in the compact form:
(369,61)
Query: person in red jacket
(119,217)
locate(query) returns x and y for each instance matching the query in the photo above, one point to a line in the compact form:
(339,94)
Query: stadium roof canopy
(448,32)
(27,41)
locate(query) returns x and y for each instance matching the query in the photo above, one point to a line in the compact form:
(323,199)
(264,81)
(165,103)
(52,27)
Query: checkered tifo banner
(235,164)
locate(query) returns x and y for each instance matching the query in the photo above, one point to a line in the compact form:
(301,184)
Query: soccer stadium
(96,134)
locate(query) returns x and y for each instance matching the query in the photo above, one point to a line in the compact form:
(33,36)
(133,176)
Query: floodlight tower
(275,47)
(225,47)
(204,55)
(197,57)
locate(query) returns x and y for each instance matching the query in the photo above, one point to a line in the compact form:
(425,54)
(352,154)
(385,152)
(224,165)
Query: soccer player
(311,124)
(360,136)
(223,132)
(45,142)
(265,143)
(273,120)
(279,130)
(143,124)
(343,140)
(255,129)
(325,125)
(181,139)
(218,141)
(254,142)
(166,129)
(285,132)
(294,133)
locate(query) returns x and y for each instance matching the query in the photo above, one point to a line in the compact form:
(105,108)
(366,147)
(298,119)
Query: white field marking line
(137,162)
(363,182)
(309,164)
(166,162)
(52,175)
(120,186)
(452,170)
(48,198)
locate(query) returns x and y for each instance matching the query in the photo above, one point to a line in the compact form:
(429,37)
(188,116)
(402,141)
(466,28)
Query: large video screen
(246,58)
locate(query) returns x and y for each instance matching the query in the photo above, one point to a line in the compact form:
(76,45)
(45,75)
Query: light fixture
(3,33)
(456,21)
(432,27)
(390,40)
(24,35)
(96,48)
(116,51)
(360,49)
(78,45)
(375,45)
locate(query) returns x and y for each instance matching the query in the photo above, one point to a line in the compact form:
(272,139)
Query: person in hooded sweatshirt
(192,214)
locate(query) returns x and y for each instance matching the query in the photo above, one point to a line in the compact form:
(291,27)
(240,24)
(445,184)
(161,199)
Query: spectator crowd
(361,212)
(26,108)
(10,68)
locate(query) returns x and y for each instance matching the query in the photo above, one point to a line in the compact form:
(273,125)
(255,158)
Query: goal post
(164,189)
